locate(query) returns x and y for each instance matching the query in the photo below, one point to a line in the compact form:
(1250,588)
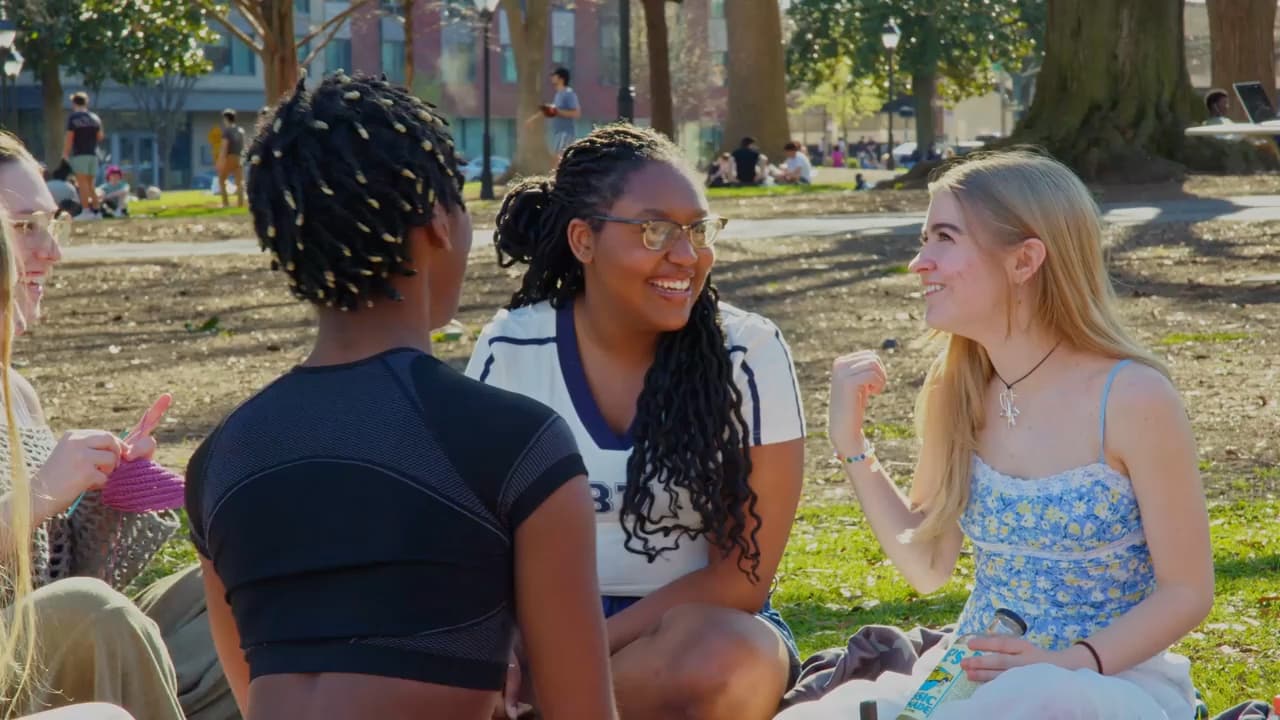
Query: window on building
(231,57)
(303,51)
(392,48)
(507,61)
(610,44)
(720,68)
(337,54)
(302,6)
(458,44)
(393,60)
(562,32)
(718,43)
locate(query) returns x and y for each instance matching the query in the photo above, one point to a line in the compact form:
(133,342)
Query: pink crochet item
(143,486)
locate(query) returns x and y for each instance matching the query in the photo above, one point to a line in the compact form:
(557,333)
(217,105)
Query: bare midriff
(350,696)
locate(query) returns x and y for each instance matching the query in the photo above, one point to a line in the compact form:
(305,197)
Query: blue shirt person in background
(562,111)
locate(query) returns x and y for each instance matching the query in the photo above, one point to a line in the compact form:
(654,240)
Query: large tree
(1120,114)
(100,40)
(270,35)
(529,23)
(662,116)
(1241,35)
(946,47)
(757,75)
(160,65)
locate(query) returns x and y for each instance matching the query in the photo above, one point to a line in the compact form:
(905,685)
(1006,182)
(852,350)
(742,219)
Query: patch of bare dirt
(212,330)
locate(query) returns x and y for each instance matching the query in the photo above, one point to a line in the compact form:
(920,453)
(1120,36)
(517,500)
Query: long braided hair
(337,178)
(689,434)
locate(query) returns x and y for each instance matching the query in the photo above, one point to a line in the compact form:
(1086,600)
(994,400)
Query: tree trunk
(529,28)
(280,54)
(1243,46)
(924,86)
(55,126)
(406,9)
(1119,115)
(655,24)
(757,76)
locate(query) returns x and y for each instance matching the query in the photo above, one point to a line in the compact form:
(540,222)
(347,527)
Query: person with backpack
(228,162)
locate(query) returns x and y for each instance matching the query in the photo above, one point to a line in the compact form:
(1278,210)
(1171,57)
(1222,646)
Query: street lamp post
(486,9)
(626,93)
(890,37)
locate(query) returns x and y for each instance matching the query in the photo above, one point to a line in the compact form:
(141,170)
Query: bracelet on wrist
(868,453)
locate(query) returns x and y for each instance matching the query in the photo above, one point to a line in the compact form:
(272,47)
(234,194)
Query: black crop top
(362,517)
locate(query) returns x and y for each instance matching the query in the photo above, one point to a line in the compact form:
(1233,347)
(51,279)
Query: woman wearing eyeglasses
(91,642)
(686,411)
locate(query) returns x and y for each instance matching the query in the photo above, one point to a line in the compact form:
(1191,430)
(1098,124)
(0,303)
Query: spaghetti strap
(1102,414)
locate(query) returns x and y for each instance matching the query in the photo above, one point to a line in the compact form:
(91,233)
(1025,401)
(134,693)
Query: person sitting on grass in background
(722,172)
(113,195)
(1053,441)
(752,166)
(796,169)
(65,195)
(686,410)
(1218,103)
(429,515)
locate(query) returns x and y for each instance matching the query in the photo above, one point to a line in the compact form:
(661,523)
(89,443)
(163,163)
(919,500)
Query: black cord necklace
(1008,410)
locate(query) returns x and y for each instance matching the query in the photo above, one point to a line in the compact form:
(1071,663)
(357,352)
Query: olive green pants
(176,604)
(93,644)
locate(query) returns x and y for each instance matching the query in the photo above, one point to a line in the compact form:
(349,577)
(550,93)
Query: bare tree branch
(315,51)
(332,25)
(239,34)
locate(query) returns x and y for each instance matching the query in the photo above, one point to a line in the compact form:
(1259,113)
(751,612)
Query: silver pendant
(1008,410)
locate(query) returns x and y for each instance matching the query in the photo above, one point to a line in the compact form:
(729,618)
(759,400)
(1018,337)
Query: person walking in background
(80,150)
(563,111)
(228,163)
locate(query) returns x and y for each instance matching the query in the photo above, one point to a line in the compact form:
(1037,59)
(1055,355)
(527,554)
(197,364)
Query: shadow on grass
(819,625)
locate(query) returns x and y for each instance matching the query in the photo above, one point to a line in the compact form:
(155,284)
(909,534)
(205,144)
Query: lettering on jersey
(607,498)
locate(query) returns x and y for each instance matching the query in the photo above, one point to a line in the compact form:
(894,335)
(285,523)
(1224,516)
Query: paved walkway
(1242,209)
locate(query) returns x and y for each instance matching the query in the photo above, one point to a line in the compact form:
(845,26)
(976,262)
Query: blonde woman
(65,638)
(1055,443)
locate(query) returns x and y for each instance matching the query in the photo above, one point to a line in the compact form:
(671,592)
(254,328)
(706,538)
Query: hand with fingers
(80,462)
(83,460)
(854,379)
(140,444)
(1000,653)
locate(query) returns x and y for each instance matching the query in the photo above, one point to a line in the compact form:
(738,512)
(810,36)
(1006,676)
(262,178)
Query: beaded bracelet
(868,451)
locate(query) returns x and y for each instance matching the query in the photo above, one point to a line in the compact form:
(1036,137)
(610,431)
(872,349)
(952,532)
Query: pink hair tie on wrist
(139,486)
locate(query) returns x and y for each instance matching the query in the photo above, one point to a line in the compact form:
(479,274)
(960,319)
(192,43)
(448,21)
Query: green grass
(1211,338)
(184,203)
(201,203)
(834,579)
(768,191)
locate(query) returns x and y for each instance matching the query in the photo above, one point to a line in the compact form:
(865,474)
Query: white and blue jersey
(533,351)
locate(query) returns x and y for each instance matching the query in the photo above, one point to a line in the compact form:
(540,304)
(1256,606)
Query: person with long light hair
(65,638)
(1055,443)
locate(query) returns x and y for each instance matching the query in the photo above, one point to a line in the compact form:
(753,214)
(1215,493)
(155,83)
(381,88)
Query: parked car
(472,168)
